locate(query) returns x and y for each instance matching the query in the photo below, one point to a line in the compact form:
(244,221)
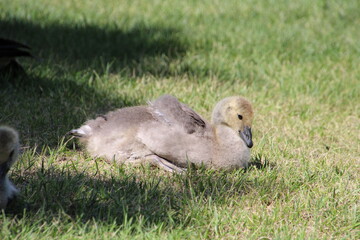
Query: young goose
(10,51)
(9,148)
(170,134)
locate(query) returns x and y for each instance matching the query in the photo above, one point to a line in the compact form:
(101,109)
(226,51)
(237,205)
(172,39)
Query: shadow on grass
(44,109)
(123,197)
(139,50)
(83,197)
(260,162)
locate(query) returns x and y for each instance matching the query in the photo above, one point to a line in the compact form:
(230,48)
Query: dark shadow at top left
(51,101)
(80,47)
(44,109)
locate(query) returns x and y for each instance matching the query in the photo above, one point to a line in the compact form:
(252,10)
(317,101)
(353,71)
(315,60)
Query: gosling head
(9,147)
(236,113)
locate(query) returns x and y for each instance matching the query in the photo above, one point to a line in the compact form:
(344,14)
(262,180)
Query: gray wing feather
(171,111)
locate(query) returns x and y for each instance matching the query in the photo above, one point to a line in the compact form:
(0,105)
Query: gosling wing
(168,109)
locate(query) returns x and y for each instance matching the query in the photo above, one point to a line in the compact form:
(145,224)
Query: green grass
(297,61)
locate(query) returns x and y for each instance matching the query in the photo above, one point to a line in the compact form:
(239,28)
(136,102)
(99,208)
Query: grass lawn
(297,61)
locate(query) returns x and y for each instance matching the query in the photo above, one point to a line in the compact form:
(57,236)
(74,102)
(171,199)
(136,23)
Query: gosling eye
(240,116)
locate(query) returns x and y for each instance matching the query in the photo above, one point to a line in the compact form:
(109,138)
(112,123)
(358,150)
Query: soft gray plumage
(170,134)
(9,148)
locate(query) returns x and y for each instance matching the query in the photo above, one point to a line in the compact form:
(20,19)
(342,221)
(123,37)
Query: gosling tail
(82,132)
(13,49)
(10,50)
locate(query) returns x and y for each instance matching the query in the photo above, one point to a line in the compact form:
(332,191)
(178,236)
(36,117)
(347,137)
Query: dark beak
(246,135)
(4,168)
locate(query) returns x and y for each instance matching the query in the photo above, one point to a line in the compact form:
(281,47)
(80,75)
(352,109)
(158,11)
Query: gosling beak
(246,135)
(4,168)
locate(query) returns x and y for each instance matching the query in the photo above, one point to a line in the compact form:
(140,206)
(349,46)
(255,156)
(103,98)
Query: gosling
(9,149)
(170,135)
(10,50)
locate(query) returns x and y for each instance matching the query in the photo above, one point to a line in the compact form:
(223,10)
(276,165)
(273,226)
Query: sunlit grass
(298,62)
